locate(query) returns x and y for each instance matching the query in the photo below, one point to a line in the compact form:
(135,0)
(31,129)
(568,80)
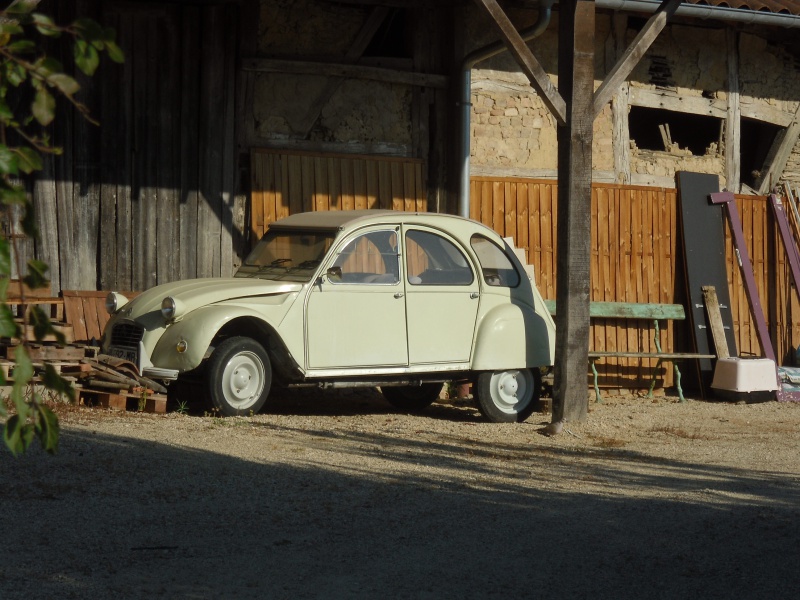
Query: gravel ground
(334,495)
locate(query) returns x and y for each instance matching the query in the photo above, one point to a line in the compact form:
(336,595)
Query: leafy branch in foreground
(31,83)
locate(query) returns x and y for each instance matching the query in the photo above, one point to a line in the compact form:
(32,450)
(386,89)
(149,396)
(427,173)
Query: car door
(442,297)
(356,314)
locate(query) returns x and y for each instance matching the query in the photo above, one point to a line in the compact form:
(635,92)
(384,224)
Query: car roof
(328,219)
(339,219)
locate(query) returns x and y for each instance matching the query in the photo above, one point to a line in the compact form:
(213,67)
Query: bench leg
(653,378)
(597,396)
(678,382)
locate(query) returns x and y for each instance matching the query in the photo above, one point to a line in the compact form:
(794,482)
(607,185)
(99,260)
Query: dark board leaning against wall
(703,236)
(150,195)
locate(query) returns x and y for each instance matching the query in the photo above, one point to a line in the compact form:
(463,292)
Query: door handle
(474,295)
(398,295)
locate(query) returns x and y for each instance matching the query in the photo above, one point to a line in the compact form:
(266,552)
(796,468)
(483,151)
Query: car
(396,300)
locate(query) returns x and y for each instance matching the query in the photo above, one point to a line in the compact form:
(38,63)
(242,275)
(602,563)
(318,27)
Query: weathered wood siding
(150,195)
(285,183)
(637,257)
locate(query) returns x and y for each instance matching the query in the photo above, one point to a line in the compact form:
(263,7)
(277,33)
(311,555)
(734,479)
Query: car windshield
(287,255)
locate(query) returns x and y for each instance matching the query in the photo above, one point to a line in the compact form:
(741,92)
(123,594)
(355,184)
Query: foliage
(31,82)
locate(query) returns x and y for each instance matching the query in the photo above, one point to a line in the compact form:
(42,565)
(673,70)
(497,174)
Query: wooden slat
(629,310)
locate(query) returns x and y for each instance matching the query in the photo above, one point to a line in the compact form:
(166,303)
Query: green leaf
(66,84)
(22,374)
(15,435)
(115,52)
(45,25)
(8,326)
(10,28)
(9,162)
(52,380)
(13,195)
(37,274)
(86,57)
(16,74)
(21,7)
(6,114)
(44,107)
(42,327)
(30,229)
(5,261)
(29,160)
(89,29)
(47,429)
(21,47)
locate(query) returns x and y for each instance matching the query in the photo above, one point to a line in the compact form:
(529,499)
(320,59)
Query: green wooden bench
(637,311)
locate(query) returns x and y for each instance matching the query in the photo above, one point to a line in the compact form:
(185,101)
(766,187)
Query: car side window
(368,258)
(498,270)
(433,260)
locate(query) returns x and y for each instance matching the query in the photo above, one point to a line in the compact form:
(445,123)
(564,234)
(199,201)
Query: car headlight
(114,302)
(171,308)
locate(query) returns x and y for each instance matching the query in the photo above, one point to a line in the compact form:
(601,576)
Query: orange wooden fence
(636,257)
(636,246)
(285,183)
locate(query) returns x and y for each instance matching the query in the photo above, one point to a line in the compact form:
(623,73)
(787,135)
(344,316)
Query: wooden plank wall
(150,196)
(285,183)
(637,257)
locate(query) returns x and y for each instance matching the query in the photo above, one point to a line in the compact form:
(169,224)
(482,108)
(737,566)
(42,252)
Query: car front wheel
(508,396)
(239,376)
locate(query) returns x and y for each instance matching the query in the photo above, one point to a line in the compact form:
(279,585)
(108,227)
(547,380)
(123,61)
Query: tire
(238,377)
(508,396)
(412,398)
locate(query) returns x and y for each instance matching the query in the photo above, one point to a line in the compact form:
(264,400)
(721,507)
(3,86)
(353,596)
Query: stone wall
(513,133)
(357,111)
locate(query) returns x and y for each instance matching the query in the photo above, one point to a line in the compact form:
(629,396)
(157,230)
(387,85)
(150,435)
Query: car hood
(194,293)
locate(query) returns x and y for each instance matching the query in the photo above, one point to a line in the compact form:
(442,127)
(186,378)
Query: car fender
(514,336)
(197,329)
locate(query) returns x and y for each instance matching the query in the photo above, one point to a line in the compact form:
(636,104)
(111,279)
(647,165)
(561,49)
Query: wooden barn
(229,114)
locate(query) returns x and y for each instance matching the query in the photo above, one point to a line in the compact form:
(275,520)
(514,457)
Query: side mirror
(334,273)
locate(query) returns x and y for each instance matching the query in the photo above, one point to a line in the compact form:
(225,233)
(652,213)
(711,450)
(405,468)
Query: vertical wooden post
(733,127)
(576,83)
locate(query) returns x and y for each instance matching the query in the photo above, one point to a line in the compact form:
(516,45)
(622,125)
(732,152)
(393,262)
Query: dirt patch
(336,495)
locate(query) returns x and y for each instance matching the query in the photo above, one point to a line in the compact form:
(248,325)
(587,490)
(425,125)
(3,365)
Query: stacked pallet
(99,381)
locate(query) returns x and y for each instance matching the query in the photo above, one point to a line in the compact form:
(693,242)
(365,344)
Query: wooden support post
(576,80)
(733,125)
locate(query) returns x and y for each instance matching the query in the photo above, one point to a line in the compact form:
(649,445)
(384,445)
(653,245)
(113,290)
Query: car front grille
(127,335)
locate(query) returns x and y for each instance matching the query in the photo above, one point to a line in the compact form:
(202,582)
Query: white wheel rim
(512,391)
(243,380)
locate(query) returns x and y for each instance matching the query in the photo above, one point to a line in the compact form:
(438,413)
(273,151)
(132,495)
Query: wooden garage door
(285,183)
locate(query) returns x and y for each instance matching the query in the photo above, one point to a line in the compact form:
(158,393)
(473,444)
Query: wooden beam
(576,79)
(375,19)
(620,107)
(733,121)
(777,158)
(645,38)
(669,100)
(534,71)
(276,65)
(712,107)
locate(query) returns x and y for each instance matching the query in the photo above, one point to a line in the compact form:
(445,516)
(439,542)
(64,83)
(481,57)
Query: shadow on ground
(444,517)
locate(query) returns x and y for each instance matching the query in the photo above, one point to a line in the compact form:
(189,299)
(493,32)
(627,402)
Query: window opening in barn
(675,132)
(391,40)
(757,139)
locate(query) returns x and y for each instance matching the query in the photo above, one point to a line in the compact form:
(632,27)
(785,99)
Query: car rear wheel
(239,376)
(508,396)
(412,398)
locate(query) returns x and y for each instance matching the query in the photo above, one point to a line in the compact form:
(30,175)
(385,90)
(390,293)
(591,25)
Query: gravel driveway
(334,495)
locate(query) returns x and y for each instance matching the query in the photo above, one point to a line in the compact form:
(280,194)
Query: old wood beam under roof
(640,44)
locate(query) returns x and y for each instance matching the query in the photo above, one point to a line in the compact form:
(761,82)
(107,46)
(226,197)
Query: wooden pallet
(151,403)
